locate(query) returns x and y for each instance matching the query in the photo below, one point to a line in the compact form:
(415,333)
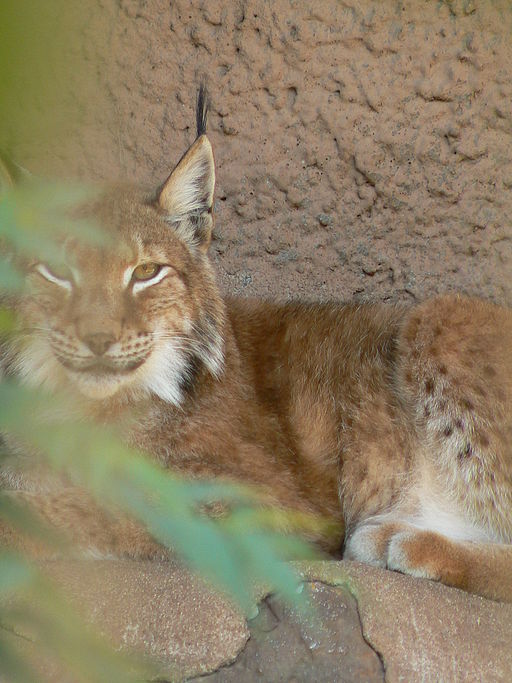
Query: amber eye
(146,271)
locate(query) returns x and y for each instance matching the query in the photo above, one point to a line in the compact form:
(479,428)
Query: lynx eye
(146,271)
(58,274)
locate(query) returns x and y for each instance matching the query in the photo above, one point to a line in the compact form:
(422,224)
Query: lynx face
(140,314)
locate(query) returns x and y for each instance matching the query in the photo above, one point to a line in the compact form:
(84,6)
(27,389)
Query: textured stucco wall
(363,147)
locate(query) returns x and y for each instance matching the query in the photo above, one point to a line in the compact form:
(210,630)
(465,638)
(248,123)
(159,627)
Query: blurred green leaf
(32,606)
(37,65)
(13,667)
(245,547)
(94,458)
(27,524)
(13,573)
(35,215)
(10,280)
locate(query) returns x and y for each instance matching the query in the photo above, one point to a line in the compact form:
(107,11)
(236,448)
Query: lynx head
(140,313)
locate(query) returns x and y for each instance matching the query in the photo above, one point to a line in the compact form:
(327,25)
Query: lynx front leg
(481,568)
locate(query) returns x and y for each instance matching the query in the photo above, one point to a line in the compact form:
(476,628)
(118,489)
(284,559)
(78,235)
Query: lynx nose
(99,342)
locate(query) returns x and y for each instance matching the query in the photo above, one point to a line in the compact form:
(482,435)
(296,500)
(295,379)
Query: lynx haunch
(394,422)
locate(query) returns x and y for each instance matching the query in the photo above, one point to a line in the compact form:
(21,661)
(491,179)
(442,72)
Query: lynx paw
(406,549)
(418,553)
(369,543)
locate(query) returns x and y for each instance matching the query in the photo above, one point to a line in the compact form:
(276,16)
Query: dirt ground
(363,148)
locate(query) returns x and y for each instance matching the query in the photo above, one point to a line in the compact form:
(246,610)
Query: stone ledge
(372,625)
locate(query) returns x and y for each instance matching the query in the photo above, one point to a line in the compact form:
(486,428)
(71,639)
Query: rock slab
(368,624)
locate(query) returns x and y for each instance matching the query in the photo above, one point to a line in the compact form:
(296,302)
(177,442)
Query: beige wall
(363,148)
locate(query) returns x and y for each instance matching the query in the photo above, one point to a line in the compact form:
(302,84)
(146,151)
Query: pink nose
(99,342)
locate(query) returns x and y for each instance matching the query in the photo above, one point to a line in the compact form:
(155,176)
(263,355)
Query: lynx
(394,422)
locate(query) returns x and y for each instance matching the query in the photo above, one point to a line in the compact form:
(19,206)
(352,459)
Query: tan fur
(393,423)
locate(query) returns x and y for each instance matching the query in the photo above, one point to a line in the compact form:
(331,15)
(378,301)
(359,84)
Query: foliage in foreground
(234,552)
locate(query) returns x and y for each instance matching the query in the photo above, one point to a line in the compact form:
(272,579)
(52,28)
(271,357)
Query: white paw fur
(362,546)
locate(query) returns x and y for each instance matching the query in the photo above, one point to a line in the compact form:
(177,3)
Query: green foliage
(35,605)
(235,552)
(33,215)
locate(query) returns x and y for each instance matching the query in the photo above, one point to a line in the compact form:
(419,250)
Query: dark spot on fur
(434,351)
(362,472)
(459,424)
(426,411)
(448,430)
(467,452)
(429,386)
(482,439)
(408,377)
(437,331)
(443,370)
(467,404)
(489,371)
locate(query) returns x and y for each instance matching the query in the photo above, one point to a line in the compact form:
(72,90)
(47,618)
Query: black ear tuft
(202,110)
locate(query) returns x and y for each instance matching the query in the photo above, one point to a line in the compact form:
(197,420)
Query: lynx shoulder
(395,423)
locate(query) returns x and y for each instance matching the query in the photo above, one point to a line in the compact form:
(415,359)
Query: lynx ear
(187,195)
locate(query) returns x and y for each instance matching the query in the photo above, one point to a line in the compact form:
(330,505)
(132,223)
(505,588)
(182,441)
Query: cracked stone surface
(159,609)
(283,647)
(153,608)
(422,630)
(370,625)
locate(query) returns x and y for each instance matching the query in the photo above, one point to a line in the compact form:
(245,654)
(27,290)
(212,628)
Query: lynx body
(396,423)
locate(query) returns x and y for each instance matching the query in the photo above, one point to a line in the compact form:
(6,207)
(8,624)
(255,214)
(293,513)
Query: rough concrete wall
(363,147)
